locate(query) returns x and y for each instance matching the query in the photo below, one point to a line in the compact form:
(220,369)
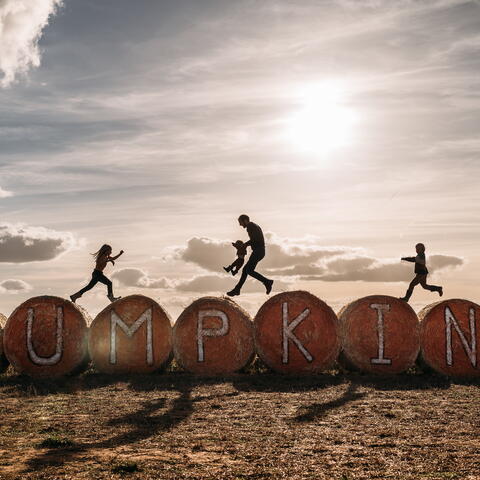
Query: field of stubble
(249,426)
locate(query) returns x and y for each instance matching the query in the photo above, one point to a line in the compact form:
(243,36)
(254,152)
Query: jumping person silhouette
(102,257)
(257,244)
(421,273)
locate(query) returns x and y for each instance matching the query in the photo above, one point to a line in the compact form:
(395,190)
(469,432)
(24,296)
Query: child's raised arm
(116,256)
(112,259)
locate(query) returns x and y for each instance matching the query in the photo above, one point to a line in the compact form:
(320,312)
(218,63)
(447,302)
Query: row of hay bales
(292,333)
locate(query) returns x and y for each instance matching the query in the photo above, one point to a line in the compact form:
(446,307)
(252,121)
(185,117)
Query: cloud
(304,259)
(21,25)
(135,277)
(23,243)
(14,286)
(5,193)
(218,283)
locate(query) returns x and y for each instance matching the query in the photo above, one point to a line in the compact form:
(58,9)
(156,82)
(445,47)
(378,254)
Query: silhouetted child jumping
(102,257)
(238,263)
(421,273)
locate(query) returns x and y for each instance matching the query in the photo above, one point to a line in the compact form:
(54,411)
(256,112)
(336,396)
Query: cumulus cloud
(304,259)
(5,193)
(135,277)
(21,25)
(23,243)
(14,286)
(372,270)
(282,253)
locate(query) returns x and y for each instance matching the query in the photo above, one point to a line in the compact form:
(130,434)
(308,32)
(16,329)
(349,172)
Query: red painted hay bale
(380,334)
(3,358)
(296,332)
(213,336)
(46,337)
(132,335)
(450,337)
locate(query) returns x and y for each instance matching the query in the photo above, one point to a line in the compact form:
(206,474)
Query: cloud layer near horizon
(21,25)
(136,277)
(305,259)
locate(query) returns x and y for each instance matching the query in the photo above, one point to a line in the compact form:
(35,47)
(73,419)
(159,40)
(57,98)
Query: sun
(324,122)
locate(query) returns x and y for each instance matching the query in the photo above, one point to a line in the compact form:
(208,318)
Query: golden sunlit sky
(347,129)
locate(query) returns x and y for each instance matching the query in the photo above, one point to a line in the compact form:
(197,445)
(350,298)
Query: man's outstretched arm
(409,259)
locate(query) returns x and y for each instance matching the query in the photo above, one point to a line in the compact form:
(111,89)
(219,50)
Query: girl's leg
(90,285)
(106,281)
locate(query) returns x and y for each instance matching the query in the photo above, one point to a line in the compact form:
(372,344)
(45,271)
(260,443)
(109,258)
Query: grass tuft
(55,442)
(126,467)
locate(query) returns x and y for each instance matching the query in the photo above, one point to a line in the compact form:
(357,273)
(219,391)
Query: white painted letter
(380,360)
(129,331)
(287,331)
(471,351)
(55,358)
(209,332)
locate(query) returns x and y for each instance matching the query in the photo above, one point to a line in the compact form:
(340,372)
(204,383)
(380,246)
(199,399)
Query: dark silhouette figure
(421,273)
(257,244)
(102,257)
(238,263)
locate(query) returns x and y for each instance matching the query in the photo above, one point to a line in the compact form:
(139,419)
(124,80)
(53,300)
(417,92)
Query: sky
(347,129)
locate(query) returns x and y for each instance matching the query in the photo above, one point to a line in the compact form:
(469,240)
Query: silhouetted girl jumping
(102,257)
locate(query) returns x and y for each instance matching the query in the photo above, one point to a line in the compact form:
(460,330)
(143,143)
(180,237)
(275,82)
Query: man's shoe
(226,269)
(441,291)
(268,286)
(113,299)
(73,298)
(405,299)
(233,293)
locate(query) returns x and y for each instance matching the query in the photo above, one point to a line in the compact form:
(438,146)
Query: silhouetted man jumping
(257,244)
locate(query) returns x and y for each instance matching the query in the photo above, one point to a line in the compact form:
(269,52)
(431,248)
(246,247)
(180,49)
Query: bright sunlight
(323,123)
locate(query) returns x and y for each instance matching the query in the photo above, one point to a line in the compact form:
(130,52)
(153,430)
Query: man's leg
(412,285)
(431,288)
(247,270)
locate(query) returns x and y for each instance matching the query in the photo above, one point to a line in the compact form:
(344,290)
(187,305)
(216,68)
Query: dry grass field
(249,426)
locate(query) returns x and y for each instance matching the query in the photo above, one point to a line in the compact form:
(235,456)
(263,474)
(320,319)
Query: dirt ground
(249,426)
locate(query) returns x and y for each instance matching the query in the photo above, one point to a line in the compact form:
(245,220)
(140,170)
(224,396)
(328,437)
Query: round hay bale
(450,337)
(296,332)
(132,335)
(380,334)
(213,336)
(3,358)
(47,337)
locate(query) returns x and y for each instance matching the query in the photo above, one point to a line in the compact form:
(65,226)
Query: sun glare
(323,122)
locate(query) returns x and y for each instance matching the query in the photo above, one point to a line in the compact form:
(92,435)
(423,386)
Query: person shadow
(143,423)
(314,411)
